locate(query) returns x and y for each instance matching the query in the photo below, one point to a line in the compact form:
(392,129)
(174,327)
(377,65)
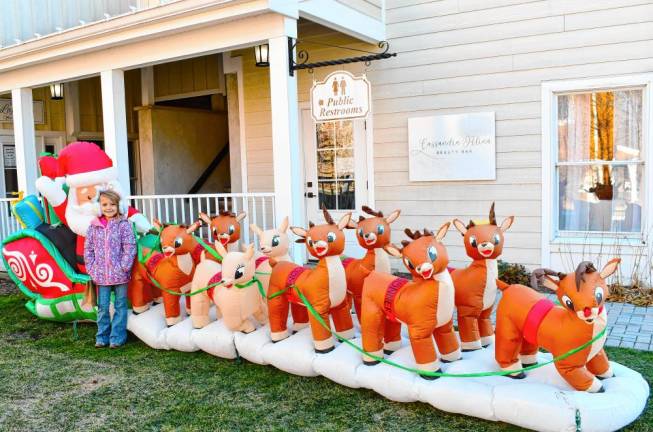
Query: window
(335,165)
(599,162)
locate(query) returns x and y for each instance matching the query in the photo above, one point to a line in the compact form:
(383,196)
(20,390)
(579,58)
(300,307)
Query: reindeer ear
(299,231)
(284,225)
(157,224)
(507,223)
(249,251)
(193,227)
(392,216)
(221,250)
(460,226)
(549,283)
(241,216)
(205,218)
(344,221)
(392,250)
(352,224)
(258,231)
(442,231)
(610,268)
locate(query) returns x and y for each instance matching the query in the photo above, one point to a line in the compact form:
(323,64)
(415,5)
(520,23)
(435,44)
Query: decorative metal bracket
(302,57)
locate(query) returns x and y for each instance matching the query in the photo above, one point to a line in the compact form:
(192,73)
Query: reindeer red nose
(587,312)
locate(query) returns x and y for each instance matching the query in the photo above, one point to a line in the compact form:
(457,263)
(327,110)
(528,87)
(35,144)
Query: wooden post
(286,154)
(115,123)
(25,139)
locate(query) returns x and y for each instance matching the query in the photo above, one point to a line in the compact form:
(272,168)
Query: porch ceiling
(169,32)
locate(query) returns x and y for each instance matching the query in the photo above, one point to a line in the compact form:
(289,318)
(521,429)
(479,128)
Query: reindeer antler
(583,267)
(327,216)
(405,243)
(310,224)
(369,211)
(226,213)
(539,273)
(428,232)
(413,235)
(493,218)
(470,224)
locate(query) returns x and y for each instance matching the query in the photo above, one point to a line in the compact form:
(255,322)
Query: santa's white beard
(79,217)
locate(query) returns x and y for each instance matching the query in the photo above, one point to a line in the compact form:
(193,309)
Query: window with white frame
(599,162)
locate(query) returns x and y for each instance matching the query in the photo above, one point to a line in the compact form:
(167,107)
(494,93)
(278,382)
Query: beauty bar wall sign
(452,147)
(7,113)
(340,96)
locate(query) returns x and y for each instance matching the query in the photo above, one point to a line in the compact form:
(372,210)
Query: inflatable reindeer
(527,320)
(238,271)
(224,227)
(425,304)
(237,297)
(373,234)
(274,244)
(476,285)
(324,287)
(172,269)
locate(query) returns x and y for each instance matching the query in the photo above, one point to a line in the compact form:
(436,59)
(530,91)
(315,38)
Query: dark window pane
(346,195)
(327,195)
(11,181)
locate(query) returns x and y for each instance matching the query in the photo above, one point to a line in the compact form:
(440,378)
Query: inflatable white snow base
(542,401)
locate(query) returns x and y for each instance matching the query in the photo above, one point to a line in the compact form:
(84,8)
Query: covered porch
(262,105)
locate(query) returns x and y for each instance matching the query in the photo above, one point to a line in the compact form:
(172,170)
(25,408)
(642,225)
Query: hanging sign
(6,111)
(452,147)
(340,96)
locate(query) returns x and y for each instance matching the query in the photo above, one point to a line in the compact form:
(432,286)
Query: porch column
(25,139)
(286,154)
(115,123)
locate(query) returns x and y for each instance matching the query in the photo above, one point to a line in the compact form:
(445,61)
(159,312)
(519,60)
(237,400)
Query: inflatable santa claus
(86,170)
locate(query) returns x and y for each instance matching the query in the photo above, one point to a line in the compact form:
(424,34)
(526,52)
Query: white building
(165,85)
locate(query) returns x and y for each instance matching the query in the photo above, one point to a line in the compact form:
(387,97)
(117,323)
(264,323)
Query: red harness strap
(154,260)
(347,261)
(534,319)
(389,301)
(197,253)
(214,279)
(261,260)
(291,295)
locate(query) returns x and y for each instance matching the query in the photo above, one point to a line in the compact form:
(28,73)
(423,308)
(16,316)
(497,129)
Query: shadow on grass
(50,381)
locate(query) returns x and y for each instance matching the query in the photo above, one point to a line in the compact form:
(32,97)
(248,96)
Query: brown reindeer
(224,227)
(373,234)
(527,320)
(476,285)
(425,304)
(172,268)
(325,286)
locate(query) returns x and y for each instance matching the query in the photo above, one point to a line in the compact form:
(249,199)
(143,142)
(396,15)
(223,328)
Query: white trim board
(549,147)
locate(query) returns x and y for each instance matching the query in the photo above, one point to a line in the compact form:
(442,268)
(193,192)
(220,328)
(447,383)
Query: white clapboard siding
(371,8)
(461,56)
(472,56)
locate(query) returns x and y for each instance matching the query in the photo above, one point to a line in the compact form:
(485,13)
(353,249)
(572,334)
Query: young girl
(109,254)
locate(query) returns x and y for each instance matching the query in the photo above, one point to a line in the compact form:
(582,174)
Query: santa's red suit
(87,170)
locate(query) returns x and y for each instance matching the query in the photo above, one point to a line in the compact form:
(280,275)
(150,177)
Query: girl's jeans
(112,331)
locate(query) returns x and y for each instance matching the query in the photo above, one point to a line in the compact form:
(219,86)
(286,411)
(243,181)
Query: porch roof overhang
(169,32)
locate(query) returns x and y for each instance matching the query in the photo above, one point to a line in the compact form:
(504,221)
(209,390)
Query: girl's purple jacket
(109,252)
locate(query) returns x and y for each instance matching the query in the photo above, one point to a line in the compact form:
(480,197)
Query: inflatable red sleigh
(54,289)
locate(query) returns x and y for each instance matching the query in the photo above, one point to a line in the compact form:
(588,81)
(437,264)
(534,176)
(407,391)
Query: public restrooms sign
(340,96)
(452,147)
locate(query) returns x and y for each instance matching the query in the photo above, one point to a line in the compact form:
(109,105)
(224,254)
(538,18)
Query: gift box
(28,211)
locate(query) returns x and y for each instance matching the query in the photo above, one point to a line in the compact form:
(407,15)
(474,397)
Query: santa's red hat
(84,163)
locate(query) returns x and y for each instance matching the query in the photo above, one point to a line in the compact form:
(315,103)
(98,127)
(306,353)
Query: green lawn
(50,381)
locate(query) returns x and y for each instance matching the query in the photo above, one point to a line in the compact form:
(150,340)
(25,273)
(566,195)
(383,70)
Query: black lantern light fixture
(56,91)
(262,54)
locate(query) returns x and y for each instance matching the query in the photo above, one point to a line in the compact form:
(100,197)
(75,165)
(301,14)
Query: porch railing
(182,209)
(8,223)
(185,209)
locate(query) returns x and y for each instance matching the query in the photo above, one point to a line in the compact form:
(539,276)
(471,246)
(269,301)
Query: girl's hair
(112,196)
